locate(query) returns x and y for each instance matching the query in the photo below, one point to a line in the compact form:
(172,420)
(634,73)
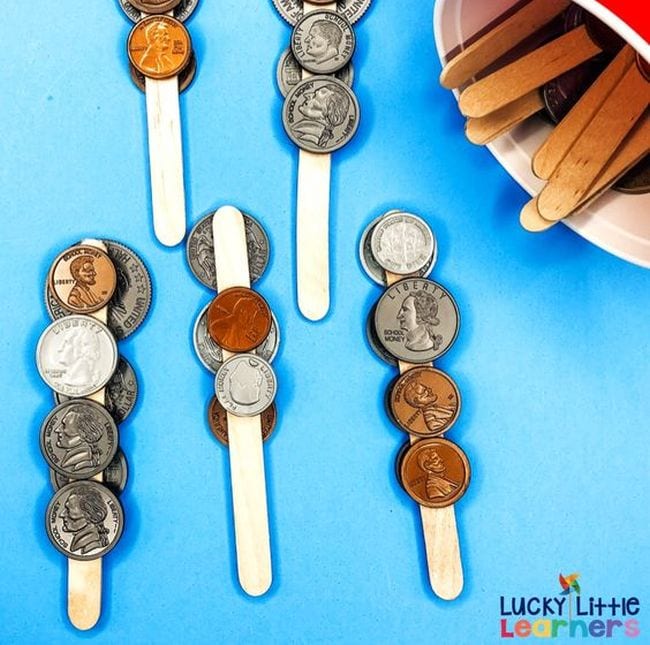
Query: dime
(292,10)
(289,72)
(155,6)
(373,340)
(114,475)
(320,114)
(239,319)
(79,438)
(121,392)
(637,180)
(425,402)
(185,77)
(82,279)
(159,46)
(211,355)
(370,265)
(200,250)
(435,472)
(84,520)
(323,42)
(245,385)
(417,320)
(181,12)
(76,355)
(402,243)
(132,298)
(218,421)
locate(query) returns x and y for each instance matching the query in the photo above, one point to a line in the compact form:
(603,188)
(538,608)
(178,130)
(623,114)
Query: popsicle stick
(441,544)
(487,128)
(528,73)
(631,151)
(591,152)
(244,433)
(85,577)
(312,221)
(486,50)
(564,135)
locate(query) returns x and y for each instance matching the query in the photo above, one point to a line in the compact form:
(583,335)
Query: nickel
(114,478)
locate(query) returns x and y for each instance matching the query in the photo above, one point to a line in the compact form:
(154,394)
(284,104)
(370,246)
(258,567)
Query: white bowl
(617,222)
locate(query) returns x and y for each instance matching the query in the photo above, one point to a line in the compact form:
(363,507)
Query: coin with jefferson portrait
(114,476)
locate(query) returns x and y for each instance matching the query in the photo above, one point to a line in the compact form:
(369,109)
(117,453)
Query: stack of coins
(97,292)
(414,323)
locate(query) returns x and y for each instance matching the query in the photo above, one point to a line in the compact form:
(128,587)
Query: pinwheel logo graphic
(569,583)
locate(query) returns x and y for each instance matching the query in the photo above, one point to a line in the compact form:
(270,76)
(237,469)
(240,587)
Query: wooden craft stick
(528,73)
(486,50)
(244,433)
(441,544)
(631,151)
(487,128)
(565,133)
(598,142)
(312,222)
(85,577)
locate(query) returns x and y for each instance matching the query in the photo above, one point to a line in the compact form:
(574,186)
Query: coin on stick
(185,77)
(114,476)
(293,10)
(155,6)
(182,11)
(218,421)
(245,385)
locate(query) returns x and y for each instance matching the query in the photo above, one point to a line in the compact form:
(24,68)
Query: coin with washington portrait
(245,385)
(320,114)
(417,320)
(182,11)
(76,355)
(84,520)
(323,42)
(292,10)
(114,476)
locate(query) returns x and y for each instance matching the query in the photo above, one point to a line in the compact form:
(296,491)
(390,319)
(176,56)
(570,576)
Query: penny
(121,392)
(159,46)
(292,10)
(637,180)
(417,320)
(155,6)
(323,42)
(76,355)
(185,77)
(78,438)
(82,279)
(211,355)
(200,250)
(373,340)
(289,73)
(182,11)
(84,520)
(114,478)
(320,114)
(131,300)
(218,421)
(245,385)
(425,402)
(398,462)
(402,243)
(239,319)
(435,472)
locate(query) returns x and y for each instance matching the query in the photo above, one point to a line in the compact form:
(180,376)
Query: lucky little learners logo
(570,613)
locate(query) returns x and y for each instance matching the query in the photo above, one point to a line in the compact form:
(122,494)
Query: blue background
(552,359)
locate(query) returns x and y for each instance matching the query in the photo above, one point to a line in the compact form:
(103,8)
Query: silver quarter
(76,355)
(417,320)
(323,42)
(402,243)
(289,73)
(84,520)
(373,340)
(211,355)
(292,10)
(320,114)
(121,392)
(182,12)
(245,385)
(200,250)
(115,475)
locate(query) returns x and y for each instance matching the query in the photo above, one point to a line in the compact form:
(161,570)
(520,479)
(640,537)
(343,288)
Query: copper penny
(159,46)
(185,77)
(82,279)
(155,6)
(239,319)
(218,421)
(435,472)
(425,402)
